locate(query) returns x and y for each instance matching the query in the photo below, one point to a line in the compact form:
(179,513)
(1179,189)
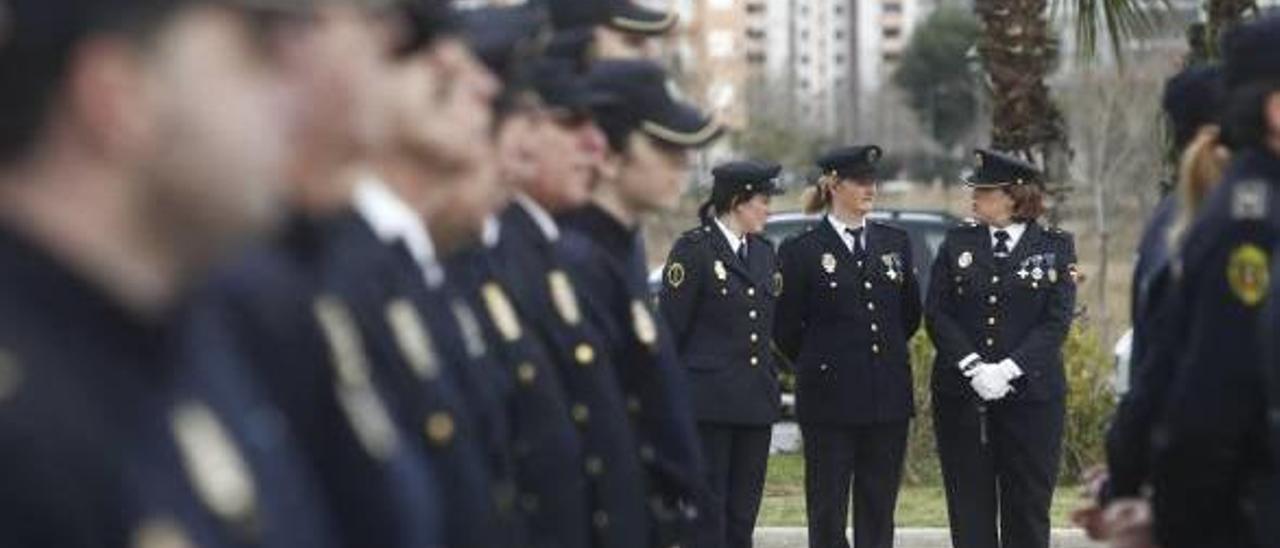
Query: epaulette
(1058,233)
(882,224)
(696,234)
(809,232)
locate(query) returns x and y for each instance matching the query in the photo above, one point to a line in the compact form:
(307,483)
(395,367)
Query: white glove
(988,381)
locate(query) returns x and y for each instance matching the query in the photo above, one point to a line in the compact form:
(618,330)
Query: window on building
(892,7)
(755,7)
(756,58)
(804,59)
(891,33)
(756,34)
(839,59)
(720,44)
(839,35)
(892,56)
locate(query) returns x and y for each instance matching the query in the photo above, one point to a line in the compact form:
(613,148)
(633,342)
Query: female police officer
(1000,304)
(721,282)
(849,306)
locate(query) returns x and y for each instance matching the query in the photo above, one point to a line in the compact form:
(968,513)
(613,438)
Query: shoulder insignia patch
(1248,275)
(1249,201)
(675,275)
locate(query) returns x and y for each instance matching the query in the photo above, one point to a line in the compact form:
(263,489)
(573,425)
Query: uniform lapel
(727,256)
(756,255)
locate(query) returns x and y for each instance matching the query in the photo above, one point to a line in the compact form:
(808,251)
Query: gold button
(993,299)
(581,413)
(526,372)
(755,338)
(600,519)
(991,320)
(755,361)
(595,466)
(875,349)
(751,291)
(995,279)
(752,314)
(991,342)
(633,404)
(866,285)
(871,306)
(584,354)
(647,453)
(875,328)
(440,428)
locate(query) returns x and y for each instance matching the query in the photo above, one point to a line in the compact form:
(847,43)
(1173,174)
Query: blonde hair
(1200,169)
(817,198)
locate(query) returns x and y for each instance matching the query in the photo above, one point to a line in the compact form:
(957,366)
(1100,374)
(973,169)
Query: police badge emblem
(721,273)
(214,465)
(562,296)
(777,284)
(965,260)
(675,275)
(829,263)
(1248,274)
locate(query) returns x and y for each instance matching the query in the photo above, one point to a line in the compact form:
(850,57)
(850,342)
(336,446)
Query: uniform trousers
(736,459)
(999,477)
(870,457)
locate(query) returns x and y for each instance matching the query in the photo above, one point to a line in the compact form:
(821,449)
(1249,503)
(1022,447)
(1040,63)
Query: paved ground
(794,537)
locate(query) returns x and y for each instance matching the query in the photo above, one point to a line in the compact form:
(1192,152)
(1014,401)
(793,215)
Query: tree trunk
(1018,52)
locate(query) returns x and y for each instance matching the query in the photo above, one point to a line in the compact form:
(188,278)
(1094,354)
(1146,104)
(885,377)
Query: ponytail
(704,211)
(1199,171)
(817,198)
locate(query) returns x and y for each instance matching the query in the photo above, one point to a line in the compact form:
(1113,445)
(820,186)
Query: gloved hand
(988,381)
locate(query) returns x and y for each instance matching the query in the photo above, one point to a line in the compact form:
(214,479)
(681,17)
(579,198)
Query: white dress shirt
(842,229)
(735,241)
(545,223)
(393,220)
(1015,232)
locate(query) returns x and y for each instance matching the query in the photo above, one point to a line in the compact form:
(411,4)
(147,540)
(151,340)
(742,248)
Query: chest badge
(562,296)
(829,263)
(777,284)
(965,260)
(216,468)
(721,273)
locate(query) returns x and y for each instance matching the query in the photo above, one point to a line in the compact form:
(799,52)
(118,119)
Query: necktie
(742,250)
(856,233)
(1002,245)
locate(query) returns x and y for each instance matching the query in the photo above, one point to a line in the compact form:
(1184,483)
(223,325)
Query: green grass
(918,506)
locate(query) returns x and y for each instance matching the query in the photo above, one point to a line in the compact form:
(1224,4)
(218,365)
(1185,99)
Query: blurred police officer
(120,183)
(1191,104)
(279,308)
(721,285)
(850,303)
(649,137)
(530,263)
(999,308)
(1209,451)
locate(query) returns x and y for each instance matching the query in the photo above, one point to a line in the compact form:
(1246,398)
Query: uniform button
(647,453)
(440,429)
(529,502)
(991,320)
(633,404)
(755,361)
(823,367)
(875,349)
(995,279)
(871,306)
(595,466)
(584,354)
(755,338)
(993,299)
(751,291)
(581,413)
(991,342)
(875,328)
(600,519)
(866,285)
(752,314)
(526,372)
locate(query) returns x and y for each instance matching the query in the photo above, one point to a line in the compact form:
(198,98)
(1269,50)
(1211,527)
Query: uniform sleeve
(681,290)
(789,318)
(1050,332)
(911,304)
(940,309)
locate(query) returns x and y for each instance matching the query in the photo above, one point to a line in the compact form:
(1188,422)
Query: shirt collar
(491,233)
(1015,231)
(393,220)
(841,226)
(735,241)
(539,215)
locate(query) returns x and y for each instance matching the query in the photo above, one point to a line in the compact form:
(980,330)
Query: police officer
(721,285)
(999,308)
(1209,455)
(1191,101)
(649,135)
(116,198)
(850,303)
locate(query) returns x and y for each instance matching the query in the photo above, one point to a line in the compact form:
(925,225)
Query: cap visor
(631,17)
(683,125)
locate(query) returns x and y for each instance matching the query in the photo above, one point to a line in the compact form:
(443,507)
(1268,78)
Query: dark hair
(1244,123)
(1028,202)
(34,70)
(721,202)
(617,124)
